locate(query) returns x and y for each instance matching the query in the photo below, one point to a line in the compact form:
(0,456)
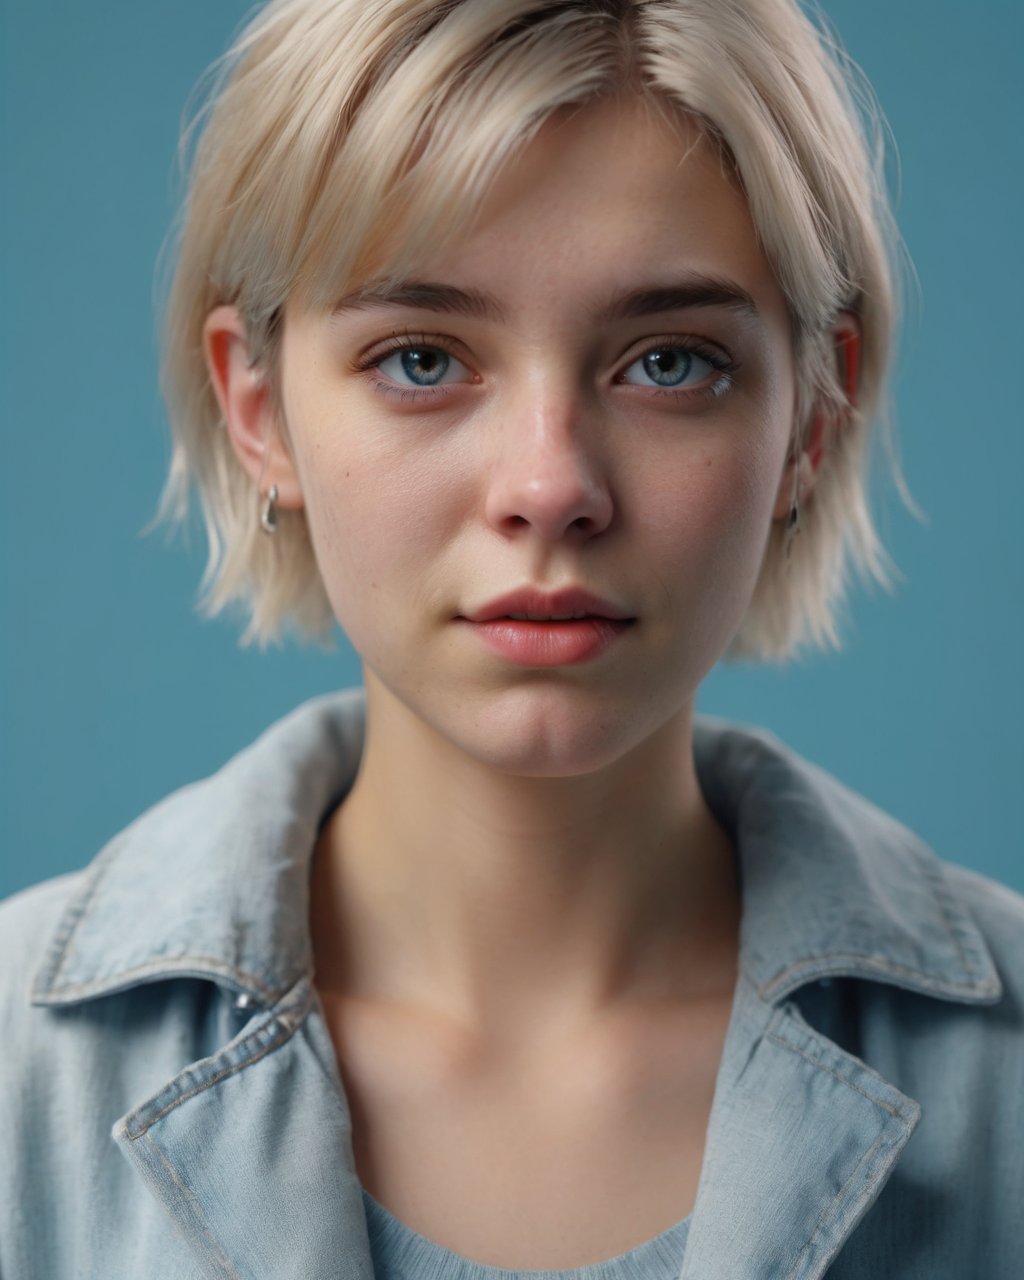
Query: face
(447,457)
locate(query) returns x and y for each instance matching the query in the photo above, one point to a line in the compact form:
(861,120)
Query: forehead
(604,203)
(613,190)
(616,158)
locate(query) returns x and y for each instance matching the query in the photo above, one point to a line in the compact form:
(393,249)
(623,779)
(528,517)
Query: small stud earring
(792,527)
(268,516)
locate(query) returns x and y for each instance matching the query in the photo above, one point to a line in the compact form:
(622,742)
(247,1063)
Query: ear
(244,398)
(847,337)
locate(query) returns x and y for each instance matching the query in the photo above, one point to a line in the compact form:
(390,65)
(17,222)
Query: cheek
(719,506)
(377,515)
(709,527)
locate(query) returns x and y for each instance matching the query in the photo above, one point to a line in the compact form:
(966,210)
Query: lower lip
(549,644)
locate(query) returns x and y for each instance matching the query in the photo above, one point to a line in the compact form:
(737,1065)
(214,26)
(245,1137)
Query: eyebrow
(682,294)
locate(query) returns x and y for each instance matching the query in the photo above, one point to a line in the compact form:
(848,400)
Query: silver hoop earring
(268,515)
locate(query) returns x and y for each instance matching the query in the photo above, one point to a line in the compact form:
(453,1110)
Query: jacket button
(244,1001)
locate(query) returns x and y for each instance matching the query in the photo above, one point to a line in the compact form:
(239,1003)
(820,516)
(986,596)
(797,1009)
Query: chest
(537,1161)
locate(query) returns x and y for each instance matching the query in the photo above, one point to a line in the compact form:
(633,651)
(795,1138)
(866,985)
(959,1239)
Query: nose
(547,475)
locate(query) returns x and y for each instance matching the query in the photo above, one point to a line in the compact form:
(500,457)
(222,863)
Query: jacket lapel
(250,1154)
(250,1151)
(801,1140)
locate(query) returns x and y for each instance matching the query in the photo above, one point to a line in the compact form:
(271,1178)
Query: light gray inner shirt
(399,1253)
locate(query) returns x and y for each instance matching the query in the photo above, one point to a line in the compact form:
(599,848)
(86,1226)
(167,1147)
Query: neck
(515,903)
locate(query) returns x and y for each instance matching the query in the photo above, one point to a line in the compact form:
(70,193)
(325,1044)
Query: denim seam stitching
(940,890)
(196,1210)
(844,958)
(868,1155)
(71,926)
(818,1226)
(944,902)
(286,1034)
(816,1062)
(154,966)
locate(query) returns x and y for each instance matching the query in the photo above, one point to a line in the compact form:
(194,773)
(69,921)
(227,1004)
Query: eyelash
(405,341)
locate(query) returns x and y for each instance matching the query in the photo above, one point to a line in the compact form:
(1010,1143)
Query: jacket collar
(214,880)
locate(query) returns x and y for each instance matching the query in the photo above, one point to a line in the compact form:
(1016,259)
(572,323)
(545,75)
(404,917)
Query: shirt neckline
(407,1253)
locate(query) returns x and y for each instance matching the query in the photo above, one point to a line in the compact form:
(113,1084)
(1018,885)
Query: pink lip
(549,643)
(567,601)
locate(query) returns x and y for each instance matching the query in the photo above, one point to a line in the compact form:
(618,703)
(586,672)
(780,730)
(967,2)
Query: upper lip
(567,603)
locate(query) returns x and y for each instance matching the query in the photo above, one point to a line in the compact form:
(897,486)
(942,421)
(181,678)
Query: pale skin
(524,915)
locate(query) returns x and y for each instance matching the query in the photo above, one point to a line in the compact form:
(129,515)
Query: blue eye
(423,365)
(674,368)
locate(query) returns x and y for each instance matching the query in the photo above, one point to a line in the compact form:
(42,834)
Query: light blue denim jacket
(171,1106)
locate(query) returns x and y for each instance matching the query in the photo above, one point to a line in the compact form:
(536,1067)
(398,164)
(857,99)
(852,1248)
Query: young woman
(539,345)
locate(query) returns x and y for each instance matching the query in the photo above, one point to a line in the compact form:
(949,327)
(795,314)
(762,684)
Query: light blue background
(114,692)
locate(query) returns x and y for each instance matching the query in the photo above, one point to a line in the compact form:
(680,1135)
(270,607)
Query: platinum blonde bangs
(342,141)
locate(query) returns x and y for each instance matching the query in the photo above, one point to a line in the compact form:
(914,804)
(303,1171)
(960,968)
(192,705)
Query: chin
(551,733)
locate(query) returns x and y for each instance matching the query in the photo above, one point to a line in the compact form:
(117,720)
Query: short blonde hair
(329,122)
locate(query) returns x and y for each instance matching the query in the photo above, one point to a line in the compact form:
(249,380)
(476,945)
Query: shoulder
(995,901)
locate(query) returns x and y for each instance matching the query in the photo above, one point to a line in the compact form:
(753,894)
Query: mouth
(532,641)
(566,617)
(567,606)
